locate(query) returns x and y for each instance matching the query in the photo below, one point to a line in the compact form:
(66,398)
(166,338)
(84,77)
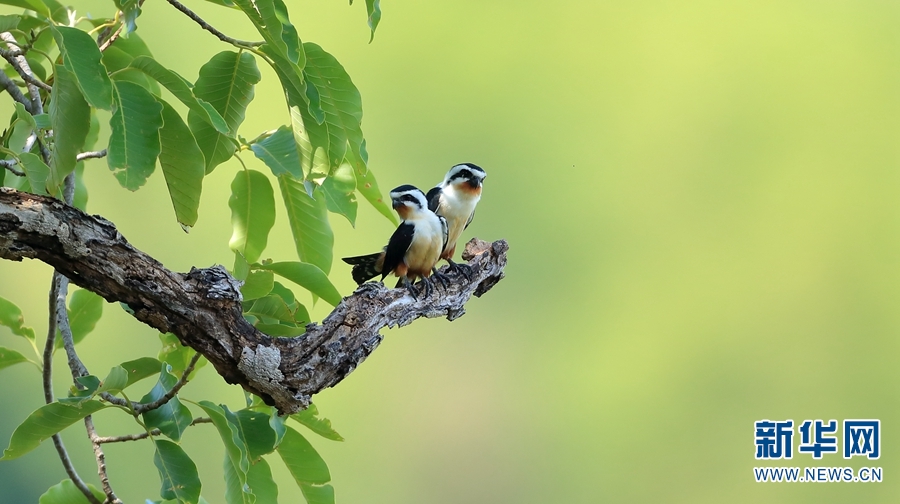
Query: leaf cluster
(67,75)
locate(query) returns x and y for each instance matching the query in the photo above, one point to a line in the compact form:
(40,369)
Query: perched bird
(414,248)
(454,199)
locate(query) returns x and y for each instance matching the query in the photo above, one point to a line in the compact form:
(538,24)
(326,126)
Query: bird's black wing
(445,231)
(470,219)
(434,198)
(397,247)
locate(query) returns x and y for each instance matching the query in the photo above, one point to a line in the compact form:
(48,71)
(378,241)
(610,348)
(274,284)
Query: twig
(14,91)
(48,391)
(91,155)
(22,67)
(62,321)
(143,408)
(101,462)
(9,164)
(145,435)
(104,46)
(206,26)
(12,56)
(139,408)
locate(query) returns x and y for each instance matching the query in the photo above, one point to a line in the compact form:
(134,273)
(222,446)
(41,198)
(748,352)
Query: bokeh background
(701,200)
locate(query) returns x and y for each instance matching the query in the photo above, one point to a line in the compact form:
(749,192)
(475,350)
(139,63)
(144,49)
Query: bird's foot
(427,288)
(440,277)
(411,287)
(461,269)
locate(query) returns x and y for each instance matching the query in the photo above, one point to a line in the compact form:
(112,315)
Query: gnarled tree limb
(203,307)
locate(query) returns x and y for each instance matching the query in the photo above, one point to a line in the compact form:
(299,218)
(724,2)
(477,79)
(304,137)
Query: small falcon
(455,199)
(414,248)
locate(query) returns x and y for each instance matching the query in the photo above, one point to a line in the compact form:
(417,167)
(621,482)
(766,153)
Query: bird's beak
(396,203)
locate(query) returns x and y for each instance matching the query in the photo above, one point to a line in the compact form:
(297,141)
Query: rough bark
(203,307)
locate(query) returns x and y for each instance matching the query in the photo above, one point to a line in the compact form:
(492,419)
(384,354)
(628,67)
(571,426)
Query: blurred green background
(701,200)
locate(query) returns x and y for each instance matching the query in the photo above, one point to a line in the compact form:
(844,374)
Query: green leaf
(181,89)
(177,355)
(373,9)
(9,22)
(45,422)
(70,117)
(81,56)
(115,381)
(279,152)
(85,309)
(172,418)
(339,190)
(84,389)
(119,56)
(36,171)
(131,9)
(281,330)
(226,81)
(41,121)
(271,308)
(315,494)
(237,491)
(257,285)
(11,316)
(134,141)
(255,430)
(308,276)
(308,218)
(277,423)
(24,115)
(340,100)
(321,426)
(177,472)
(368,187)
(9,357)
(302,460)
(260,480)
(65,492)
(236,461)
(35,5)
(252,206)
(182,164)
(139,369)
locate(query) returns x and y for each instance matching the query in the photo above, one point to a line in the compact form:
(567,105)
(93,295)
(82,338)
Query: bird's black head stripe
(405,188)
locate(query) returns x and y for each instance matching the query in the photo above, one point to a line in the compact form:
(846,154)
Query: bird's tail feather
(365,267)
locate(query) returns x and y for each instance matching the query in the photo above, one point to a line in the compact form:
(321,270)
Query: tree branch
(203,307)
(15,92)
(143,408)
(206,26)
(8,164)
(111,497)
(48,389)
(21,65)
(91,155)
(145,435)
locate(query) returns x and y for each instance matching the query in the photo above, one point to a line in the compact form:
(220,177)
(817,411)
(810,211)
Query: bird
(455,199)
(413,249)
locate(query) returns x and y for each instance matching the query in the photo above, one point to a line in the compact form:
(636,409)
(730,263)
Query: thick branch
(203,307)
